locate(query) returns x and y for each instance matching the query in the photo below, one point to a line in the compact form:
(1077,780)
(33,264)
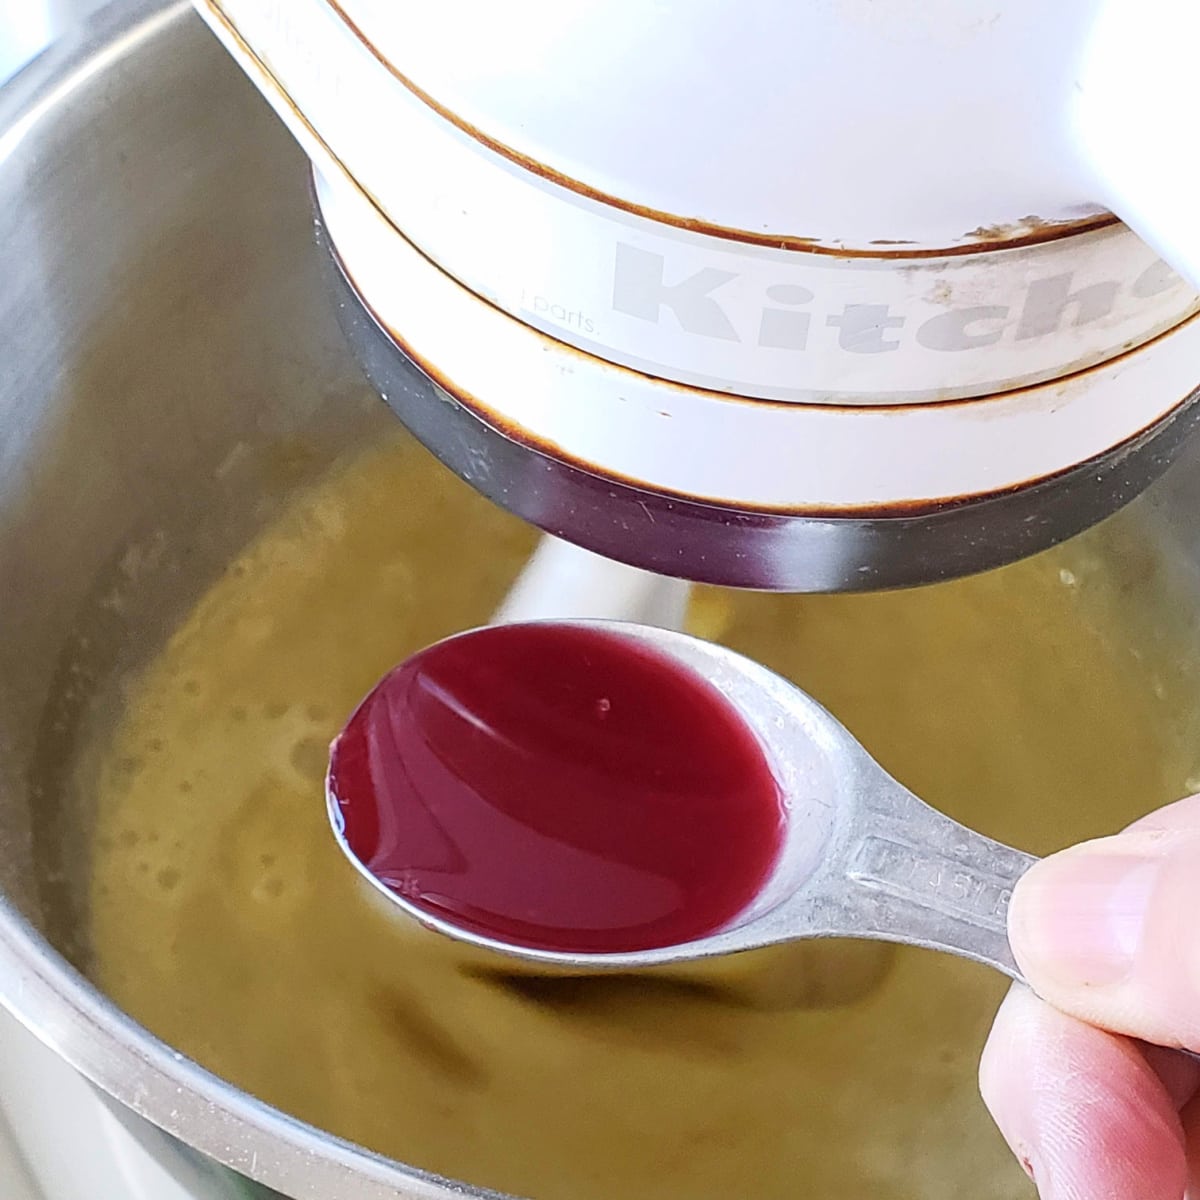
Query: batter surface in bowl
(225,919)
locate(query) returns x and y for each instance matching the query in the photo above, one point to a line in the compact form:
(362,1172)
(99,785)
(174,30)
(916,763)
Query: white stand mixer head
(804,297)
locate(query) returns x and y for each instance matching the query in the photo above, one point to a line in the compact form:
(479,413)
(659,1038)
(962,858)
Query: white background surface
(27,25)
(15,1183)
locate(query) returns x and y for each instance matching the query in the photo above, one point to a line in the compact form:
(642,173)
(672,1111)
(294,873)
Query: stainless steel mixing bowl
(170,365)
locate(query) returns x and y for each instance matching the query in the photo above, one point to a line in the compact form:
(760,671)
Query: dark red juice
(560,788)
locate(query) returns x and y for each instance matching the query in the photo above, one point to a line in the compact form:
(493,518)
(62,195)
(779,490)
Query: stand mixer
(792,297)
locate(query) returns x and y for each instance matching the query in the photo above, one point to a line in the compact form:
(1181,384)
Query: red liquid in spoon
(559,788)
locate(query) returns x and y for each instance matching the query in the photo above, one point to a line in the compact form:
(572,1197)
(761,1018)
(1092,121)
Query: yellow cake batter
(224,917)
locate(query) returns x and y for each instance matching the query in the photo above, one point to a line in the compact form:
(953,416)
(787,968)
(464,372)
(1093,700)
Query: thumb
(1109,931)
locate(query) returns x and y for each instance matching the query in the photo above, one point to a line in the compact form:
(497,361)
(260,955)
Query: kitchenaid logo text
(788,314)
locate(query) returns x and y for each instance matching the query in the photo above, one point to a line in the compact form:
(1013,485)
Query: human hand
(1108,935)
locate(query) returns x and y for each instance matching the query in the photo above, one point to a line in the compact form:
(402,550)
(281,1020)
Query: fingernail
(1078,917)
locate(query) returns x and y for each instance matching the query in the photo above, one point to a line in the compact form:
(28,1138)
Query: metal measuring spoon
(862,857)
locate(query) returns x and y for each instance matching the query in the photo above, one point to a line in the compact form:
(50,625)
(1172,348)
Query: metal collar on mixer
(778,551)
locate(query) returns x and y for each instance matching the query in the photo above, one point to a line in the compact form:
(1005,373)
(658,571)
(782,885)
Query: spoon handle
(917,876)
(914,875)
